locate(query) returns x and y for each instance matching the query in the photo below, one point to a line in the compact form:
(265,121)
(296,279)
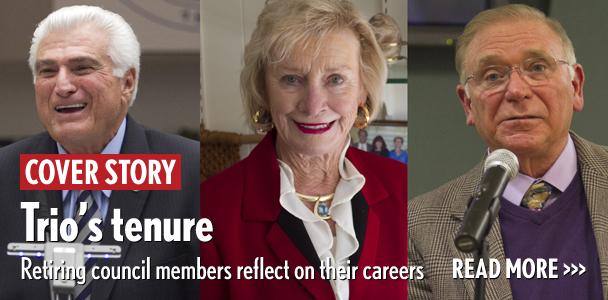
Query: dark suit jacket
(249,222)
(368,146)
(141,204)
(435,217)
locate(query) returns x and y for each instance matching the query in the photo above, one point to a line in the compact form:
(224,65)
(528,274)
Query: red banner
(100,172)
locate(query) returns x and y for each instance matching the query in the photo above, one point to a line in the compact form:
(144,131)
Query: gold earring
(262,121)
(362,119)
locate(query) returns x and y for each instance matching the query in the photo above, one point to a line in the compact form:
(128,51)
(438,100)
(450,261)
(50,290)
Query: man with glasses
(519,86)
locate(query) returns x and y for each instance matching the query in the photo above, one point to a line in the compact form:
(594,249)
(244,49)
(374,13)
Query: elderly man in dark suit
(362,144)
(85,62)
(519,86)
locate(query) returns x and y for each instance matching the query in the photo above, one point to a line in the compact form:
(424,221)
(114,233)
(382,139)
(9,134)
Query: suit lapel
(130,203)
(287,237)
(47,198)
(367,252)
(295,230)
(593,163)
(286,248)
(500,287)
(52,198)
(360,217)
(366,221)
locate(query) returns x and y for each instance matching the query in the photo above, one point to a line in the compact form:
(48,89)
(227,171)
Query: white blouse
(337,248)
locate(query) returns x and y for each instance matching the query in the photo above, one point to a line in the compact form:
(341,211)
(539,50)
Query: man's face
(528,120)
(79,101)
(362,136)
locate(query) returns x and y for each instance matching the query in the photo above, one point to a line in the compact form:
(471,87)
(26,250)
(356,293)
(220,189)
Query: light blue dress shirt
(559,175)
(102,198)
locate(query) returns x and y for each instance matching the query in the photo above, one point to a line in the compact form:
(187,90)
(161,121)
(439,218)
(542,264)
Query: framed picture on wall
(385,138)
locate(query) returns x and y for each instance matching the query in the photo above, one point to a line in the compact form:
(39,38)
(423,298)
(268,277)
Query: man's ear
(465,101)
(128,84)
(578,81)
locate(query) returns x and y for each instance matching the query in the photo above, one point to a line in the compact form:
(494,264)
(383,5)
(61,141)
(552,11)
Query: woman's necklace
(321,208)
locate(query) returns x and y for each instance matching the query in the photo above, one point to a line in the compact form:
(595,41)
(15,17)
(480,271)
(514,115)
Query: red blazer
(249,222)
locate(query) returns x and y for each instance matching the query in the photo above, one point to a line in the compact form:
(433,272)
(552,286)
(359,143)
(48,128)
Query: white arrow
(574,269)
(583,269)
(567,269)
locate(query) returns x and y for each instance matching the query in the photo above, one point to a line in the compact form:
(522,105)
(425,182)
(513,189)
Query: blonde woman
(312,71)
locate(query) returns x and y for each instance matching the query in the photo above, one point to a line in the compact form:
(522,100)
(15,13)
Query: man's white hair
(123,47)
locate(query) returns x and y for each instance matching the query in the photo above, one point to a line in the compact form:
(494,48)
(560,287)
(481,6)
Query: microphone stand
(480,285)
(478,219)
(483,209)
(72,254)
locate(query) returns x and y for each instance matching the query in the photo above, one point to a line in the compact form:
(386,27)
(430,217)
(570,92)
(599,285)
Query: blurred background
(169,86)
(441,146)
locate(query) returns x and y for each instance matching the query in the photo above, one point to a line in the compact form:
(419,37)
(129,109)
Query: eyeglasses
(535,71)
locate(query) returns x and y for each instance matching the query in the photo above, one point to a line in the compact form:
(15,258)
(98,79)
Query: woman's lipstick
(314,128)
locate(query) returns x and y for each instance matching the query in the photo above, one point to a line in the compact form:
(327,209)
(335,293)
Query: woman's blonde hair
(285,24)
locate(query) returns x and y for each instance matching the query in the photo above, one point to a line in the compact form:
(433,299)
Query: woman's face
(313,99)
(378,145)
(398,144)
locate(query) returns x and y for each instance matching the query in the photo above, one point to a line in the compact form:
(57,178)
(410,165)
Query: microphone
(500,166)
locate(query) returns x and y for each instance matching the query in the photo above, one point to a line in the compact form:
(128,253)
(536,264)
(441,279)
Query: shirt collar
(559,175)
(351,182)
(113,147)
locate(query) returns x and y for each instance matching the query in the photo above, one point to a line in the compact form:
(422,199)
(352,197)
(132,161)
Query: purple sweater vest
(562,230)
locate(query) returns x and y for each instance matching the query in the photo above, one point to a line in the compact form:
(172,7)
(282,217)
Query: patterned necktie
(536,196)
(84,291)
